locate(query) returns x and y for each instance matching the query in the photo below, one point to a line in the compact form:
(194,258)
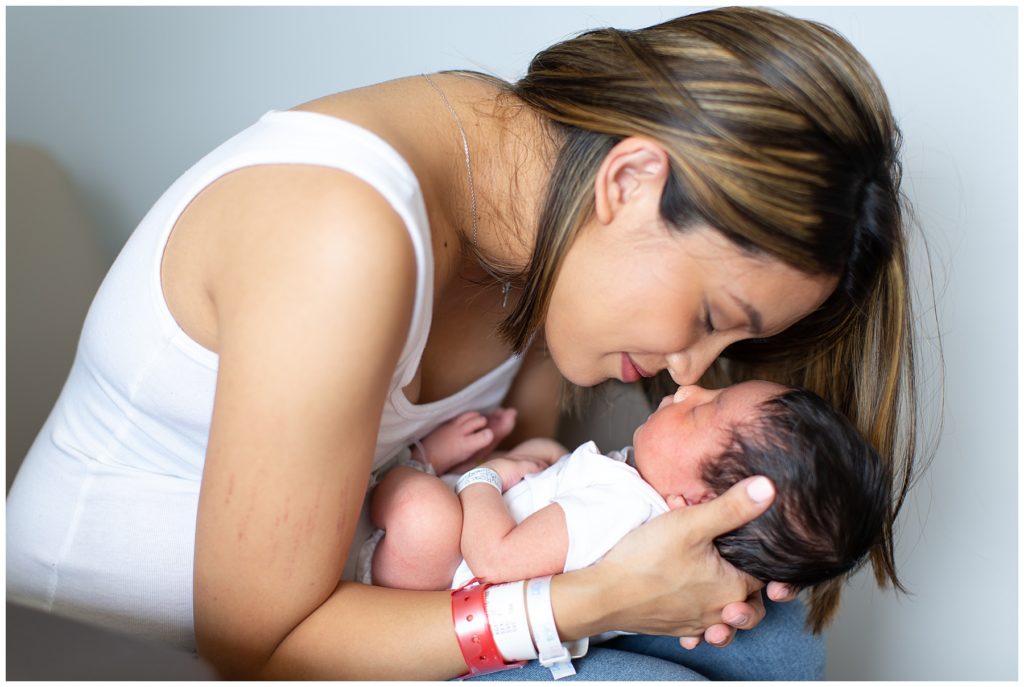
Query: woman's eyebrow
(756,321)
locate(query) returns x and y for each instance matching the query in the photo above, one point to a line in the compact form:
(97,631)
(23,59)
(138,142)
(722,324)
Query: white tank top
(101,518)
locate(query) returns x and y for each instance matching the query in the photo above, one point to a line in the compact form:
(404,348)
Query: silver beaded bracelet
(476,475)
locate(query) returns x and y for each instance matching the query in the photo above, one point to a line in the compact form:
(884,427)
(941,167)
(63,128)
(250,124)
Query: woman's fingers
(719,635)
(682,589)
(744,615)
(743,502)
(779,592)
(739,505)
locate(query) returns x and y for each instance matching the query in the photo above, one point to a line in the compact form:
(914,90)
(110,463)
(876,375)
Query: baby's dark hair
(833,497)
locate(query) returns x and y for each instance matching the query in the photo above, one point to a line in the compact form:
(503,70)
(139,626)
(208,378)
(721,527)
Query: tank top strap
(313,138)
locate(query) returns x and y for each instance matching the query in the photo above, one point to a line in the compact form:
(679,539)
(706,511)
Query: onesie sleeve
(597,517)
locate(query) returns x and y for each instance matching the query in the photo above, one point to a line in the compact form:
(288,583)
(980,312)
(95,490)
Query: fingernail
(760,489)
(783,592)
(738,620)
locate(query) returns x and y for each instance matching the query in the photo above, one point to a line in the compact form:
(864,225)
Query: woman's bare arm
(313,305)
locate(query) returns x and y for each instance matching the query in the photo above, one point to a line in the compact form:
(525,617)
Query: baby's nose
(687,391)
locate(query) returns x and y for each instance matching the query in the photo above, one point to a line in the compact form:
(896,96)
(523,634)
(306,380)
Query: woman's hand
(742,616)
(669,577)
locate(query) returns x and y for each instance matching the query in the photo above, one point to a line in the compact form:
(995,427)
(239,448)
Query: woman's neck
(511,152)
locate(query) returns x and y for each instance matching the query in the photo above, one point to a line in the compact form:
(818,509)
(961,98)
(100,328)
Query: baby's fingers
(528,466)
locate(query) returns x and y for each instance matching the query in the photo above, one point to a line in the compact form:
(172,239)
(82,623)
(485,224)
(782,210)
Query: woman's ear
(636,168)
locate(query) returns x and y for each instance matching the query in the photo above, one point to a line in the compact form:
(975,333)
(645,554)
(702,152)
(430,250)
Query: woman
(335,281)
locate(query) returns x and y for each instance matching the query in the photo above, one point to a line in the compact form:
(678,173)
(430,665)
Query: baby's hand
(470,435)
(513,469)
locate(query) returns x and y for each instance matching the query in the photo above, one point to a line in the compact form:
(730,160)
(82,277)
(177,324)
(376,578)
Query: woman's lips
(632,372)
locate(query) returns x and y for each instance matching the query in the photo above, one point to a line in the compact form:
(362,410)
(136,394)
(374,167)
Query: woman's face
(635,297)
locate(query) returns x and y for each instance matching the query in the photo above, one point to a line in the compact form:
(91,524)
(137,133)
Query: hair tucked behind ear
(779,136)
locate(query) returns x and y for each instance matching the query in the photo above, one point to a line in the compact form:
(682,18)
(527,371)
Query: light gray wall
(127,98)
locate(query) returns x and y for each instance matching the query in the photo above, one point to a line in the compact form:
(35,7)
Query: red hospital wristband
(473,631)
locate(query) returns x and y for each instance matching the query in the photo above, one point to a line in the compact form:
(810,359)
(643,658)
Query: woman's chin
(578,375)
(581,374)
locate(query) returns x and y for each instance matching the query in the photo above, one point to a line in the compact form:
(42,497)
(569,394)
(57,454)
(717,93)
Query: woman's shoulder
(255,226)
(299,228)
(292,204)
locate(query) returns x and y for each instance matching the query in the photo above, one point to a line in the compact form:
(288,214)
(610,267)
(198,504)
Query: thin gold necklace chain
(506,285)
(465,149)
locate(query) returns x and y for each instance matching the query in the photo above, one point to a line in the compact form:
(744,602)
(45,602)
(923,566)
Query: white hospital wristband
(477,475)
(553,655)
(506,611)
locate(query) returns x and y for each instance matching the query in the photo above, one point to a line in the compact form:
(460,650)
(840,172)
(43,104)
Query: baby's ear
(705,495)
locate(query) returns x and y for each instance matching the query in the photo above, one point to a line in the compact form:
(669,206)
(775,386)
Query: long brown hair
(780,136)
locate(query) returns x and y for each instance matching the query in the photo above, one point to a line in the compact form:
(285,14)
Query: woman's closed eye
(709,325)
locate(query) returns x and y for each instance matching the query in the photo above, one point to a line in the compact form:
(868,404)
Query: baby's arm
(494,546)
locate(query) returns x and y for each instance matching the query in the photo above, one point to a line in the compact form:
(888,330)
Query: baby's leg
(422,522)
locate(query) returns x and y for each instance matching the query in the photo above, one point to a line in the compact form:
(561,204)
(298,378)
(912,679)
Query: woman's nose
(687,366)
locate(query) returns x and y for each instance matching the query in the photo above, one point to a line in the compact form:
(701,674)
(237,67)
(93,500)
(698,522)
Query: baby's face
(693,425)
